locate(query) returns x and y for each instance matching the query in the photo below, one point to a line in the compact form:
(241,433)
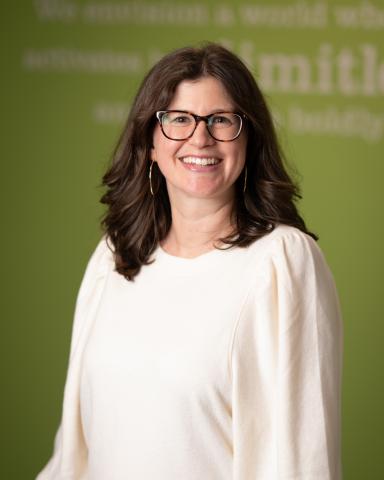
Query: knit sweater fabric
(226,366)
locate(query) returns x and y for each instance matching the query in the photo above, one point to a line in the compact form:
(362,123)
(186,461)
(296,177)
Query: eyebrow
(223,110)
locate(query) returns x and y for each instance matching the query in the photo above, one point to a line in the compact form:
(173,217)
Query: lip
(200,168)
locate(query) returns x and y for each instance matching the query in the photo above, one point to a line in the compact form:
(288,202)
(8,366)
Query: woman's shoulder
(102,257)
(294,254)
(293,262)
(99,264)
(282,231)
(285,239)
(288,250)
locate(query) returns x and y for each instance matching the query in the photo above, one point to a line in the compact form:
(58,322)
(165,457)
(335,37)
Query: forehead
(203,95)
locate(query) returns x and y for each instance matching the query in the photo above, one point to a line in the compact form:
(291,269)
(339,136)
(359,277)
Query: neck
(197,225)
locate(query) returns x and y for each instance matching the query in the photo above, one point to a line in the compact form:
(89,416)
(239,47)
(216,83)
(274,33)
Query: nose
(201,136)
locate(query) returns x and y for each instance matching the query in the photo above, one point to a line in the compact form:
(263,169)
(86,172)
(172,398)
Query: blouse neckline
(187,266)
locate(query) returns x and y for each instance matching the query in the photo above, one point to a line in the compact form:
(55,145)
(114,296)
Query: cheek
(163,148)
(242,153)
(239,156)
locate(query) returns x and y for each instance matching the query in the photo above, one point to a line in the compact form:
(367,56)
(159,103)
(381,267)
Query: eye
(221,120)
(181,119)
(177,118)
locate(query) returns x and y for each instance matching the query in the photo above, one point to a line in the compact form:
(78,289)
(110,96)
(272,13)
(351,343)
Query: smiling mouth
(200,161)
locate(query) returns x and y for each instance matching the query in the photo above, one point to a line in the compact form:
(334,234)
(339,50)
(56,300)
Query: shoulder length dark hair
(135,220)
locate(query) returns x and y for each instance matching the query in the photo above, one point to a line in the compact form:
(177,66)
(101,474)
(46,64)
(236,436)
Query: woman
(207,338)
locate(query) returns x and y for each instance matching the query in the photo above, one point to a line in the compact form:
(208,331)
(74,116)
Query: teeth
(200,161)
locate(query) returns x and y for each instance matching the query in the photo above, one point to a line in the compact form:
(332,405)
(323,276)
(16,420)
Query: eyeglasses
(181,125)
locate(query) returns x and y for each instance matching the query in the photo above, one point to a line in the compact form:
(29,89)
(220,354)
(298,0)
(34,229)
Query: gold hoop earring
(150,179)
(245,179)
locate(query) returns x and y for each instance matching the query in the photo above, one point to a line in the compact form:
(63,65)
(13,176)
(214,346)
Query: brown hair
(135,221)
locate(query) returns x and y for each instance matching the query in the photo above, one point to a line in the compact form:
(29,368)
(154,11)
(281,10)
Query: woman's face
(189,180)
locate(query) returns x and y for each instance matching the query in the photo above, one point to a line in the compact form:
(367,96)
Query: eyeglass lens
(180,125)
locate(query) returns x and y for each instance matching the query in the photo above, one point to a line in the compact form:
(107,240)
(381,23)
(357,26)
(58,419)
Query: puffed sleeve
(287,367)
(69,458)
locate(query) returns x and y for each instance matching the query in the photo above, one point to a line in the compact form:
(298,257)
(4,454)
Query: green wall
(70,69)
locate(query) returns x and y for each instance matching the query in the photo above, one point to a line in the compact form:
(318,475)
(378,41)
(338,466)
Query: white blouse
(226,366)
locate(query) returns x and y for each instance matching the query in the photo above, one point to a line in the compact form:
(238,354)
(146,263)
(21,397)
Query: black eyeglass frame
(198,118)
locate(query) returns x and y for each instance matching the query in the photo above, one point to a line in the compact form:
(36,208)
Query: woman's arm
(69,458)
(286,368)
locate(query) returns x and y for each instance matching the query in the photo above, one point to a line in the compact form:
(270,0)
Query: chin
(212,192)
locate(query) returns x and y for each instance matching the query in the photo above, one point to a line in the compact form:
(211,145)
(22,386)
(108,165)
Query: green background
(60,120)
